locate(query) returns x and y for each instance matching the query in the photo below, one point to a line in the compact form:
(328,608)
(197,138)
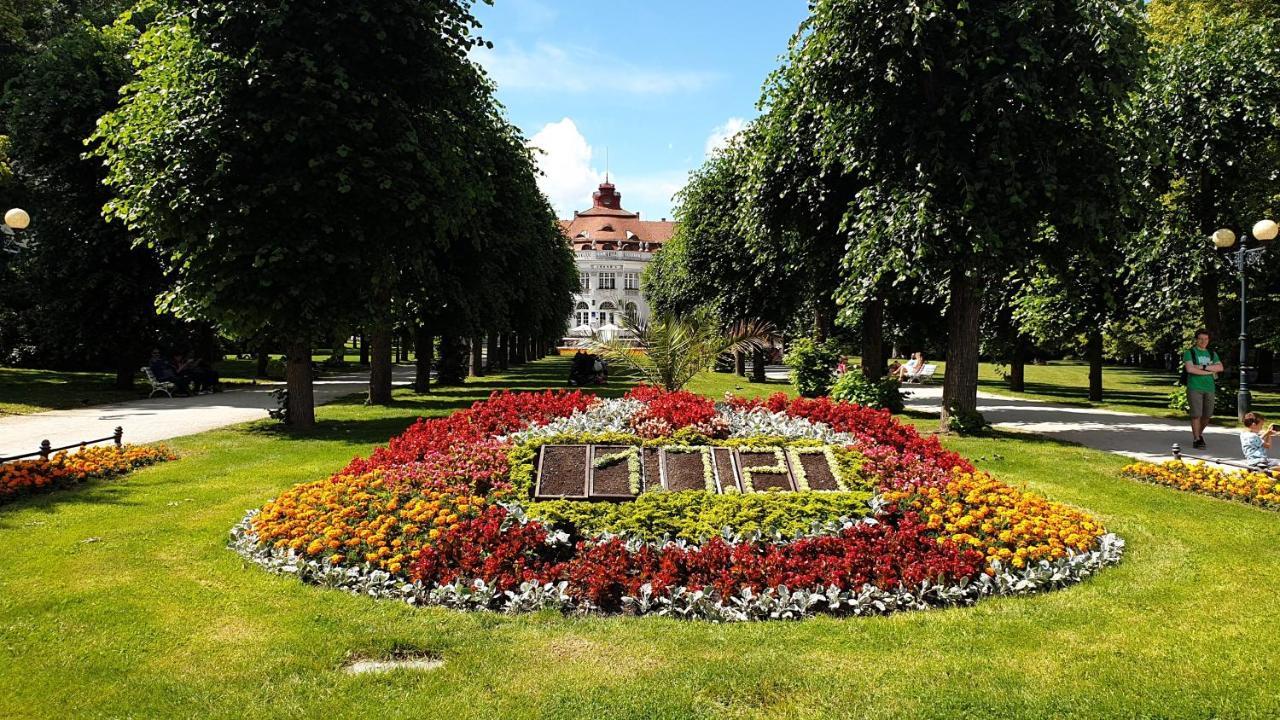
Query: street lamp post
(1264,231)
(15,220)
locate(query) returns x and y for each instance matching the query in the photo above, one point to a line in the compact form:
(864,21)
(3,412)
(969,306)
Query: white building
(612,246)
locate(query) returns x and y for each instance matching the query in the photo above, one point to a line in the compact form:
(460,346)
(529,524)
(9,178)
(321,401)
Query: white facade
(610,287)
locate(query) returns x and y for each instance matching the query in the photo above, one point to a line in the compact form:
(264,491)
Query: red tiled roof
(603,224)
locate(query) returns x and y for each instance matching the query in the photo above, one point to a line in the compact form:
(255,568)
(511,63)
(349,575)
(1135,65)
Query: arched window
(607,312)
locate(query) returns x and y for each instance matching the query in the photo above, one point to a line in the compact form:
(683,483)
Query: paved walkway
(162,418)
(1137,436)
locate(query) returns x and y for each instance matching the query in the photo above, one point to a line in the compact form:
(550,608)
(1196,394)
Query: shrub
(813,365)
(965,422)
(697,516)
(854,387)
(1224,399)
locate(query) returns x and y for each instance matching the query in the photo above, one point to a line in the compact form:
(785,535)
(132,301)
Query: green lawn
(121,600)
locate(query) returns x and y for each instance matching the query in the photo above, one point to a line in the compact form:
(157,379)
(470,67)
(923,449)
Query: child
(1255,440)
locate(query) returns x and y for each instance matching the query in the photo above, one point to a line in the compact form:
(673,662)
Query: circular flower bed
(741,510)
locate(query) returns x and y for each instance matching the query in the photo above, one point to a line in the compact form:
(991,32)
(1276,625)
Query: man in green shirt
(1202,365)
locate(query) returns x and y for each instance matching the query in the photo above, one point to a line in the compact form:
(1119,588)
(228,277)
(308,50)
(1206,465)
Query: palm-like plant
(670,351)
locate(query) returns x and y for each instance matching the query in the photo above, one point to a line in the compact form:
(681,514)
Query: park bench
(923,376)
(157,386)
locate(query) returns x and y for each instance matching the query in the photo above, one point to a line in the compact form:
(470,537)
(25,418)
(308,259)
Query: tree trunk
(1266,368)
(1018,364)
(380,355)
(477,356)
(405,341)
(873,338)
(206,344)
(338,354)
(740,363)
(491,344)
(960,384)
(1093,350)
(1211,307)
(504,351)
(529,352)
(297,375)
(126,368)
(757,365)
(264,360)
(424,351)
(823,317)
(364,350)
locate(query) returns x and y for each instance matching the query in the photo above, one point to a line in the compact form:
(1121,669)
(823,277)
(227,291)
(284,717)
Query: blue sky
(656,83)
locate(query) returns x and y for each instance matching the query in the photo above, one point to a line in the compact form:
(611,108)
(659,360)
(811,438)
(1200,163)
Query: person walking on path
(1202,365)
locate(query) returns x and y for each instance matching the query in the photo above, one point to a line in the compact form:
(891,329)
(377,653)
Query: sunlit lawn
(121,600)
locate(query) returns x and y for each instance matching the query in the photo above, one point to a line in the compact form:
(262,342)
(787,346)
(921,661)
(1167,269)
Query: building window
(631,281)
(633,313)
(607,313)
(608,281)
(586,281)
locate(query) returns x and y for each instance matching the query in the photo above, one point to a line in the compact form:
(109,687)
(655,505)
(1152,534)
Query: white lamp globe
(1266,230)
(17,218)
(1224,238)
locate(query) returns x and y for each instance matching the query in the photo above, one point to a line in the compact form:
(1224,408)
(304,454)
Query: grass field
(121,600)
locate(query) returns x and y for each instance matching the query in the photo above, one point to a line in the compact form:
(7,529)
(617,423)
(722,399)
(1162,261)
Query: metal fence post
(118,436)
(46,448)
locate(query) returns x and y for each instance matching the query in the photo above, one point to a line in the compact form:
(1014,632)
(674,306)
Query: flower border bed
(64,470)
(1253,488)
(439,517)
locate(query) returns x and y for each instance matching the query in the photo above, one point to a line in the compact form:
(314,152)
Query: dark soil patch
(652,463)
(613,481)
(684,471)
(563,471)
(724,470)
(818,473)
(761,481)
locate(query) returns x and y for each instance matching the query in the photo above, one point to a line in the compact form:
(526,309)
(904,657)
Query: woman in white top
(911,367)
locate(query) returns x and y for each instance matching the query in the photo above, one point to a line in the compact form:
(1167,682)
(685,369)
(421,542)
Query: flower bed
(62,470)
(444,514)
(1255,488)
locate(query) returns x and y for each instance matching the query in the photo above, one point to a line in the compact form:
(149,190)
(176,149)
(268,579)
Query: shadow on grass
(96,492)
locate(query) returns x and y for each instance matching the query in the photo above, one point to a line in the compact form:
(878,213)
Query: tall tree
(288,159)
(89,295)
(1206,139)
(954,116)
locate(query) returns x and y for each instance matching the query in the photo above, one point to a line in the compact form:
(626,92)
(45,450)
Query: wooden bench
(157,386)
(923,376)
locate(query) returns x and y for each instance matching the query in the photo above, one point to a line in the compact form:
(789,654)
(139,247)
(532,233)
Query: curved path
(161,418)
(1138,436)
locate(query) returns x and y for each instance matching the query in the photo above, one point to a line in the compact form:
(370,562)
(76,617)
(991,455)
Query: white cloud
(581,70)
(722,134)
(568,178)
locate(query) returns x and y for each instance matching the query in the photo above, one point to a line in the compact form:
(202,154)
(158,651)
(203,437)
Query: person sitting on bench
(163,371)
(1255,440)
(911,368)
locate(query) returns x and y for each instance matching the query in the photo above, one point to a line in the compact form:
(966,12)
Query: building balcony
(613,255)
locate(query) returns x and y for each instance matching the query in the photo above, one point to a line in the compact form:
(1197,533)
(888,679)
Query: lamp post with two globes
(1264,231)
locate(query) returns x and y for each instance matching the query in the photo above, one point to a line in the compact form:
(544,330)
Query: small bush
(697,516)
(966,422)
(854,387)
(1224,400)
(813,366)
